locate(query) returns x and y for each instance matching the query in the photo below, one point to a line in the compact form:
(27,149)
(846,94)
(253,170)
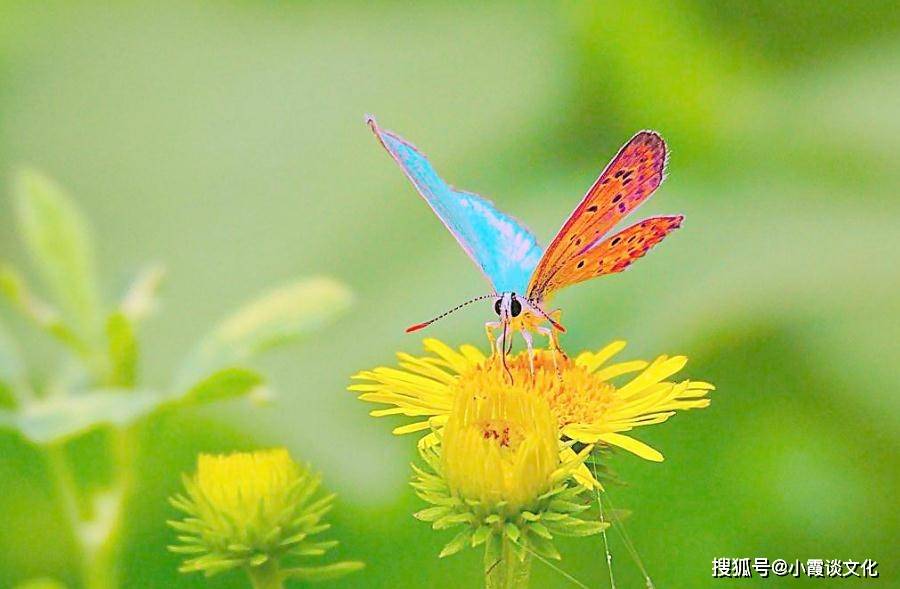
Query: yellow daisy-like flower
(501,447)
(497,471)
(584,394)
(247,485)
(257,511)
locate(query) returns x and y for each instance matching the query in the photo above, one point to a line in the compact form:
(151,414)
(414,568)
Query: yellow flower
(584,394)
(500,446)
(247,486)
(252,510)
(496,469)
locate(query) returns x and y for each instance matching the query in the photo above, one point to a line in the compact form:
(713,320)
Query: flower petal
(632,445)
(594,361)
(411,428)
(621,368)
(459,362)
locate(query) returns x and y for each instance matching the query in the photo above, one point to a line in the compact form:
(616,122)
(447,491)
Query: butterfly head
(508,306)
(522,312)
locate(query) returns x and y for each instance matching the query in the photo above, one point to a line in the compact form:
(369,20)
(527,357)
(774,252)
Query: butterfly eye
(515,307)
(497,307)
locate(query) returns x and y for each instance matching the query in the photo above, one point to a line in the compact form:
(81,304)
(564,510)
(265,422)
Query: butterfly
(523,275)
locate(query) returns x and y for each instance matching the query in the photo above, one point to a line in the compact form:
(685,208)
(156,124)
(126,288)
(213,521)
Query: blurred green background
(226,139)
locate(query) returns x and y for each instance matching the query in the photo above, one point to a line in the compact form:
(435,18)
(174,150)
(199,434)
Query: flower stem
(97,537)
(104,534)
(502,567)
(266,576)
(65,485)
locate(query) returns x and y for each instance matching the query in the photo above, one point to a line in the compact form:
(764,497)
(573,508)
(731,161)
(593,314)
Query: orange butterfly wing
(614,254)
(628,180)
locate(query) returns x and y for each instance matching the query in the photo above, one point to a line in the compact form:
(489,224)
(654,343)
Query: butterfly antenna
(425,324)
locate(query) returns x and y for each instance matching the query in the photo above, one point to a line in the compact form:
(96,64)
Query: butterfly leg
(554,342)
(546,331)
(529,344)
(489,328)
(554,334)
(554,347)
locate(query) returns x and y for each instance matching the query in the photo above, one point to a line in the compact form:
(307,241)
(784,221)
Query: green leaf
(140,299)
(562,506)
(431,514)
(457,543)
(60,244)
(540,529)
(481,535)
(279,317)
(224,384)
(14,288)
(123,350)
(512,531)
(448,521)
(323,573)
(577,527)
(63,417)
(543,546)
(258,560)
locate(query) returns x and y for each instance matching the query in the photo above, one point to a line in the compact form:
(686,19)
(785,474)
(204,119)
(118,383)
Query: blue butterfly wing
(505,250)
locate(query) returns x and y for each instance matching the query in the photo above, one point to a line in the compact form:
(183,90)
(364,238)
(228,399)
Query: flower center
(503,433)
(500,446)
(574,394)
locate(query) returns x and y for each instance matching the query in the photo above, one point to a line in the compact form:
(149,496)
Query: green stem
(103,545)
(502,567)
(97,538)
(266,576)
(85,533)
(65,486)
(100,571)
